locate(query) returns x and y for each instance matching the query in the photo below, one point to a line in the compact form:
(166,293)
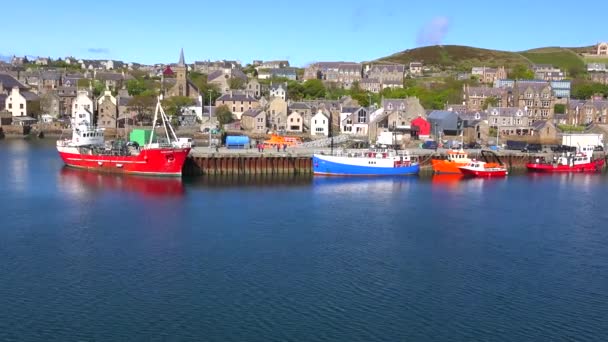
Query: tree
(490,102)
(223,114)
(521,72)
(314,89)
(175,104)
(295,90)
(559,108)
(200,81)
(136,87)
(143,105)
(236,83)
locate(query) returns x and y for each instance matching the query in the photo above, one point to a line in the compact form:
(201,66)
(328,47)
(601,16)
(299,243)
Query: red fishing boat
(485,168)
(87,149)
(579,162)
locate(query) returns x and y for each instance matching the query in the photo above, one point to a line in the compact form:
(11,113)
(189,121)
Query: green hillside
(565,59)
(464,57)
(456,57)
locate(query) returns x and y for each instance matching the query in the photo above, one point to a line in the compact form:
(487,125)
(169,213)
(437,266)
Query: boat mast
(155,118)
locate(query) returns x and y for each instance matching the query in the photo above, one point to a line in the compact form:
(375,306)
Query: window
(241,109)
(101,110)
(21,106)
(290,119)
(10,106)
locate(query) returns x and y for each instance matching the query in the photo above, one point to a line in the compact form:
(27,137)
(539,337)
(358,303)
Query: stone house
(125,114)
(254,88)
(67,96)
(107,110)
(221,78)
(348,73)
(237,102)
(489,75)
(415,68)
(50,103)
(395,113)
(545,131)
(536,99)
(49,80)
(111,80)
(475,97)
(602,49)
(327,71)
(22,103)
(277,114)
(581,112)
(386,72)
(295,122)
(510,121)
(372,85)
(319,124)
(599,77)
(254,120)
(305,110)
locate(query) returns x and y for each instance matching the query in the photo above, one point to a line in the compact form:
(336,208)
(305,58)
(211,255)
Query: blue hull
(324,167)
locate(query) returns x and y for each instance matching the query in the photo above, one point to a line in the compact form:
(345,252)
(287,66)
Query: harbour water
(92,257)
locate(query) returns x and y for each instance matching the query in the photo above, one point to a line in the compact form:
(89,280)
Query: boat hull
(151,162)
(483,173)
(324,165)
(594,166)
(441,166)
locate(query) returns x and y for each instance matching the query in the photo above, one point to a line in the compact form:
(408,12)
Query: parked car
(598,148)
(473,145)
(532,148)
(516,145)
(563,148)
(430,145)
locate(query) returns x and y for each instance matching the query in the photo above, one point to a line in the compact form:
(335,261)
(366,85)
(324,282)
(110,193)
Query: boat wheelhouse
(373,162)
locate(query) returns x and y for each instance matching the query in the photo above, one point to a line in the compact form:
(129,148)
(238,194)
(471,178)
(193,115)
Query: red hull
(153,162)
(483,173)
(594,166)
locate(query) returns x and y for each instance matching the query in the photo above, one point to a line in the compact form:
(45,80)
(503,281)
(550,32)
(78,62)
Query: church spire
(181,62)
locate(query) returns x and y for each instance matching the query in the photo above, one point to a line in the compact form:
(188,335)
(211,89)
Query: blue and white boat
(374,162)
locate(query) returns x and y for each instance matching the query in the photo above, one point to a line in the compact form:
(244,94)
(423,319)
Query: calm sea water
(91,257)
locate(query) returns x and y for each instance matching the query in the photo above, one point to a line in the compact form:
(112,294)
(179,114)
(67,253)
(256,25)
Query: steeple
(181,62)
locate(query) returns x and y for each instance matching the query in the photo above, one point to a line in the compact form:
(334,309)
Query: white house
(319,124)
(17,102)
(82,102)
(353,120)
(295,122)
(278,90)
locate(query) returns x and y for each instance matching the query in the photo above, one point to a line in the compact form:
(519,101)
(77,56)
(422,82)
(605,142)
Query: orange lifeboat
(456,159)
(277,140)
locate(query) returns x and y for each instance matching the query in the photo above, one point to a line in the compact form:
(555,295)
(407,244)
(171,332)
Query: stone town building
(17,98)
(372,85)
(237,102)
(395,113)
(221,79)
(67,96)
(583,112)
(343,73)
(254,120)
(489,75)
(183,86)
(536,99)
(82,103)
(386,72)
(107,110)
(602,49)
(476,98)
(277,114)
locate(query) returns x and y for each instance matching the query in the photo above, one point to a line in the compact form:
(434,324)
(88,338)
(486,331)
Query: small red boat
(481,169)
(579,162)
(478,168)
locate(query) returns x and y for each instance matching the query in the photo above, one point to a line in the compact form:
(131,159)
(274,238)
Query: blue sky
(300,31)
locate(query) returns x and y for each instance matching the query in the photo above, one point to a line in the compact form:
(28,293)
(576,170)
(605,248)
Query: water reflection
(345,185)
(221,181)
(78,182)
(447,180)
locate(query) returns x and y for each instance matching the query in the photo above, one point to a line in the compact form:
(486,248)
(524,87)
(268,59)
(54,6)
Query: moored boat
(455,159)
(374,162)
(570,162)
(478,168)
(87,149)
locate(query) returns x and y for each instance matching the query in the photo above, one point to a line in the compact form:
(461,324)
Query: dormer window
(477,116)
(520,113)
(390,106)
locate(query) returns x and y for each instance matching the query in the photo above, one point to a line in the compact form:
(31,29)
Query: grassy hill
(563,58)
(456,57)
(464,57)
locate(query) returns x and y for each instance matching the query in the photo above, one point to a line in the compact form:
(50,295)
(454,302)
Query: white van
(186,141)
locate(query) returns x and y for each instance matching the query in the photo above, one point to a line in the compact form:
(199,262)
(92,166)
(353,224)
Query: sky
(299,31)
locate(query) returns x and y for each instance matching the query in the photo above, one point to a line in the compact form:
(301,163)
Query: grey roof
(369,81)
(124,100)
(109,76)
(350,67)
(299,105)
(216,74)
(238,73)
(50,75)
(66,91)
(9,82)
(29,96)
(472,115)
(506,111)
(182,61)
(441,115)
(349,109)
(394,103)
(485,91)
(538,125)
(253,112)
(236,97)
(277,86)
(389,68)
